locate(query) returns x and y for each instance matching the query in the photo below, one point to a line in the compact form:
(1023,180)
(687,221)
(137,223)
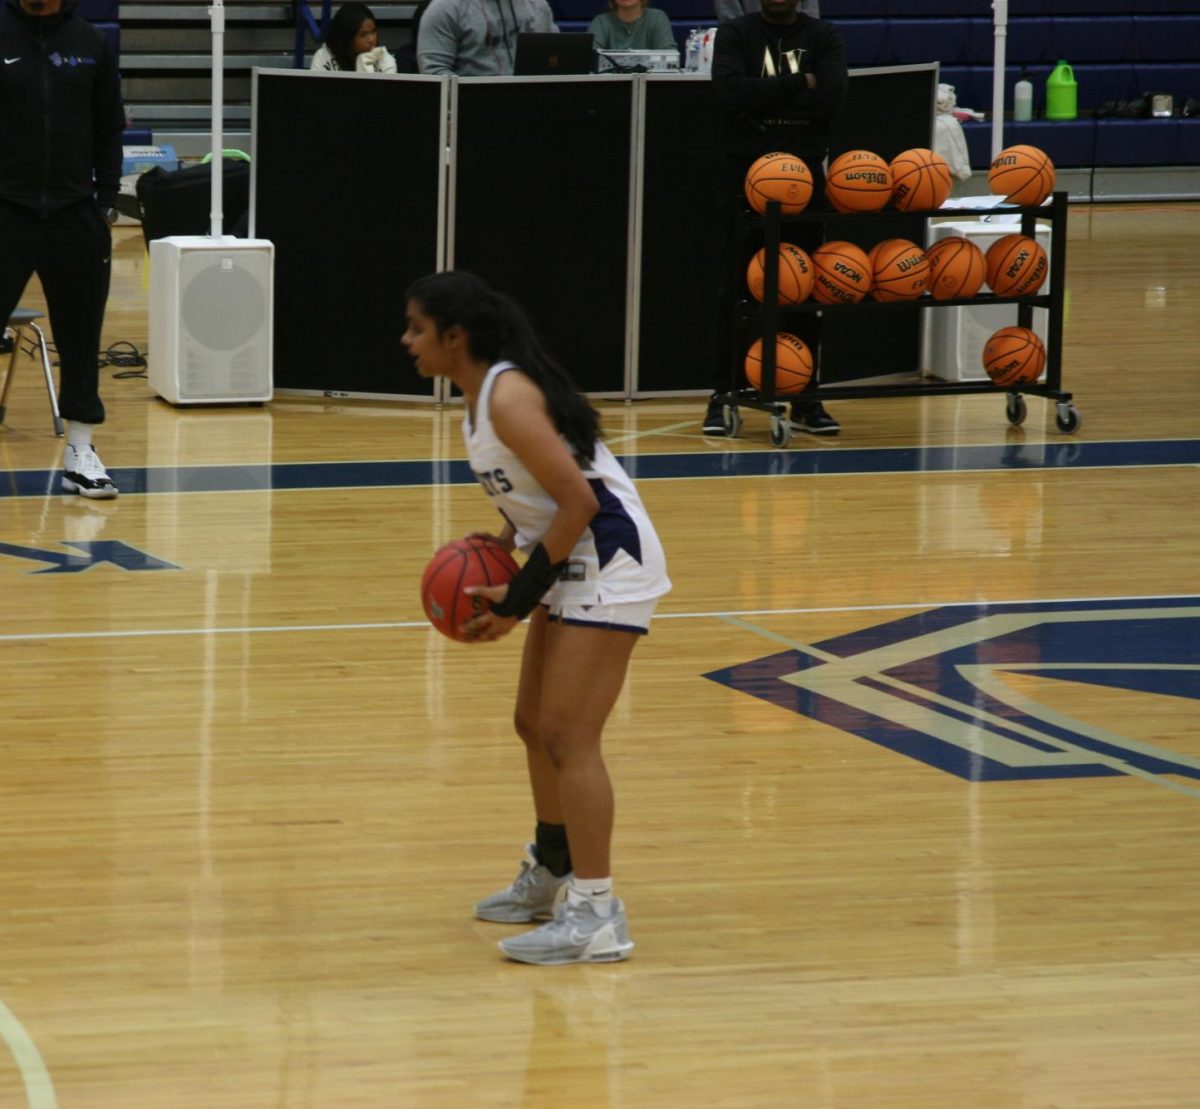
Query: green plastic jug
(1061,93)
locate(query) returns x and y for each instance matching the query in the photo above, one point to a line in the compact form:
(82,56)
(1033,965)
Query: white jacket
(373,61)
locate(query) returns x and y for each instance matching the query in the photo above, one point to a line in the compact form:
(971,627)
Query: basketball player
(593,574)
(780,78)
(61,122)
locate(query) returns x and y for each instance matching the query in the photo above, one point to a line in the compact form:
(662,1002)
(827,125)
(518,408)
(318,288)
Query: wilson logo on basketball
(870,176)
(906,264)
(835,291)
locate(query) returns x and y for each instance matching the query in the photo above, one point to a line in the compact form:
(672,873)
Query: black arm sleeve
(530,584)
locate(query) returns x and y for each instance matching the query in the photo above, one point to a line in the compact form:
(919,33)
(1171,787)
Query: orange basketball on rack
(453,567)
(1016,266)
(956,268)
(793,364)
(795,274)
(782,177)
(900,270)
(1022,175)
(841,273)
(1014,356)
(921,180)
(858,181)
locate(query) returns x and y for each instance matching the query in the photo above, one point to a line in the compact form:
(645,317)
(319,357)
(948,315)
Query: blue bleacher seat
(687,10)
(138,136)
(906,9)
(1189,142)
(948,41)
(1167,38)
(857,9)
(1136,142)
(866,42)
(1070,143)
(1101,39)
(587,10)
(1030,42)
(98,11)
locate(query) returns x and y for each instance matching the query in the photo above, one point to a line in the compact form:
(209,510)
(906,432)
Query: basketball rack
(770,313)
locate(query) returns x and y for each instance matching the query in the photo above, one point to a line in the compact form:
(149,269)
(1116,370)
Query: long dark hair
(497,329)
(339,36)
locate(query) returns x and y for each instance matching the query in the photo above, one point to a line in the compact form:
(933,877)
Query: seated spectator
(352,44)
(631,25)
(731,9)
(478,38)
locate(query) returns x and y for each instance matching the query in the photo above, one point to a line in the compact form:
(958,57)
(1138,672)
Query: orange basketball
(1022,175)
(1014,356)
(795,274)
(1016,266)
(782,177)
(956,268)
(460,563)
(921,180)
(900,270)
(793,364)
(841,273)
(858,181)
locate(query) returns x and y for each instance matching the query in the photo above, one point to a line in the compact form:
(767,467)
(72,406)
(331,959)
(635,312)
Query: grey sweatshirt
(477,38)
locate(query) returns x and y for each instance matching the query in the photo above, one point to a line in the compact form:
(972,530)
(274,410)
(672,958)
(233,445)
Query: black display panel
(541,210)
(681,217)
(346,175)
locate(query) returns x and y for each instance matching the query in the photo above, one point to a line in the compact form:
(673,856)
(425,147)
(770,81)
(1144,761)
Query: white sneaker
(531,896)
(84,473)
(575,935)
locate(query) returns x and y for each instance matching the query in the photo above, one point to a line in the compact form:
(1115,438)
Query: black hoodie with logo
(61,118)
(758,75)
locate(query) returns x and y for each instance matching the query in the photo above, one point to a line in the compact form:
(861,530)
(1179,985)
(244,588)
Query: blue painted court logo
(931,686)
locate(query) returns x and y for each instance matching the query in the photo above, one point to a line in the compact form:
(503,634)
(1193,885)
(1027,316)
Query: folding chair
(22,320)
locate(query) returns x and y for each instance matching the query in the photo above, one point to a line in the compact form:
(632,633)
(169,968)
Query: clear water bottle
(692,53)
(1023,98)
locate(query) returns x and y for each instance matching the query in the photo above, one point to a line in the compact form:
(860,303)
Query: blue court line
(1067,454)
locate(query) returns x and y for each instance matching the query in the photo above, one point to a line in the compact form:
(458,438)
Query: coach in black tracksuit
(61,122)
(780,78)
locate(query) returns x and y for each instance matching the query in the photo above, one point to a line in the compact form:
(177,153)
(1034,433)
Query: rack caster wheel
(1014,405)
(1067,418)
(732,419)
(781,431)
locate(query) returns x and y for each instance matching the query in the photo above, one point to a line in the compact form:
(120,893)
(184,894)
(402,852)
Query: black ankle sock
(553,851)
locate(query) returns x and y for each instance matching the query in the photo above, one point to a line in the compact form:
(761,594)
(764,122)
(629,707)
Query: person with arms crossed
(61,122)
(594,572)
(478,38)
(780,78)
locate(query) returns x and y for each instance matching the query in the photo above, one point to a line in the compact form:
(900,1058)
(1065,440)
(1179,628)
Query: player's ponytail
(498,330)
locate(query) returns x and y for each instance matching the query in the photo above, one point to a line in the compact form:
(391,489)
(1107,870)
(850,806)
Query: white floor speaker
(211,319)
(955,337)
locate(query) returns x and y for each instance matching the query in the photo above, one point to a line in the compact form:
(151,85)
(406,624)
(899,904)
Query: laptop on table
(552,54)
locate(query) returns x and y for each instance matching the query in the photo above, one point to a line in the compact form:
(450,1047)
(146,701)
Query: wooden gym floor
(908,771)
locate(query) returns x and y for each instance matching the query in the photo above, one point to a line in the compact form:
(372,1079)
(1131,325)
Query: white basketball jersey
(618,558)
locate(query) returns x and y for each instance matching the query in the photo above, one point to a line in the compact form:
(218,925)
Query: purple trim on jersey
(612,527)
(606,625)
